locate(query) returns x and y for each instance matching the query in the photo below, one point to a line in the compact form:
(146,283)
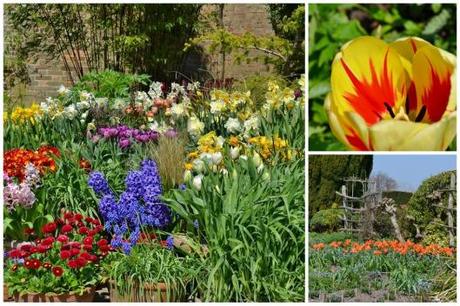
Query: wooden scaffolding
(360,198)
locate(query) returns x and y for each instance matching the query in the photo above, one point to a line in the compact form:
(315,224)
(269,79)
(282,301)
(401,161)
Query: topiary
(327,220)
(435,233)
(420,206)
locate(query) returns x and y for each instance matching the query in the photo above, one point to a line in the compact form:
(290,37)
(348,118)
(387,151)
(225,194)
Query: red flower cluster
(75,237)
(14,160)
(384,246)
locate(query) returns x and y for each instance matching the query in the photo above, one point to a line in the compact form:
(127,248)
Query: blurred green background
(332,25)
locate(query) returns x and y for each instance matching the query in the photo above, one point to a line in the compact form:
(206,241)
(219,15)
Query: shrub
(111,84)
(400,197)
(327,238)
(326,174)
(327,220)
(420,206)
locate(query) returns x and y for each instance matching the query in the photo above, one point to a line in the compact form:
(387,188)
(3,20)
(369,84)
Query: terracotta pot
(6,296)
(150,293)
(87,296)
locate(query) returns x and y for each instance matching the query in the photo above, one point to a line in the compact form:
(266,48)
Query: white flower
(70,112)
(178,110)
(84,115)
(257,160)
(244,157)
(194,126)
(102,102)
(301,82)
(220,141)
(233,125)
(224,171)
(83,105)
(187,175)
(234,152)
(193,86)
(206,157)
(252,124)
(197,181)
(260,168)
(198,165)
(85,96)
(119,103)
(45,107)
(216,158)
(155,91)
(62,91)
(217,107)
(186,100)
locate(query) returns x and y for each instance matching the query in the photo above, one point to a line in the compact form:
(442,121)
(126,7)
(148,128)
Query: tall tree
(384,182)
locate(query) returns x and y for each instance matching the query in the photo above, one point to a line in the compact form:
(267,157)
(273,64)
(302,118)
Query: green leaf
(319,90)
(436,23)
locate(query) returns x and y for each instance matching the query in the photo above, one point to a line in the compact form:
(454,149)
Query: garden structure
(360,198)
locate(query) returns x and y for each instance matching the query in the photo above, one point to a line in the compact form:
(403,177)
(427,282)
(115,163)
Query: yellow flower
(188,166)
(254,140)
(398,96)
(193,155)
(273,86)
(279,143)
(208,139)
(288,95)
(21,114)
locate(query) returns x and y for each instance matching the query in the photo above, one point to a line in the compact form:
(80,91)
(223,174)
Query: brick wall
(46,76)
(238,19)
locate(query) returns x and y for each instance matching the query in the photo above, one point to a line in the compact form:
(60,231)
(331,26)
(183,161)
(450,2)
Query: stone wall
(46,76)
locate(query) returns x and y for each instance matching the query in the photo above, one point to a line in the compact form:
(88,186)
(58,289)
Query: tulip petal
(337,127)
(452,105)
(359,132)
(408,46)
(350,129)
(369,79)
(432,79)
(392,135)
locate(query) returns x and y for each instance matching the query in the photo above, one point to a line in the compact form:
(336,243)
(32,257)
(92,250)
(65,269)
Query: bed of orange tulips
(381,247)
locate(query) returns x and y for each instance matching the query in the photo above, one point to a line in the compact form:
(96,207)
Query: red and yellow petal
(350,128)
(432,79)
(368,78)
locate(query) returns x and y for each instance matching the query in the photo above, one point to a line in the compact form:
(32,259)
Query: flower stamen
(421,114)
(389,109)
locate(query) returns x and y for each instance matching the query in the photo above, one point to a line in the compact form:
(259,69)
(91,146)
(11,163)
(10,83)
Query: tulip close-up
(393,96)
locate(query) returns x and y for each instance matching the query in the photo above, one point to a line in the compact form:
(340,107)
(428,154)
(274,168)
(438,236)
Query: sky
(410,170)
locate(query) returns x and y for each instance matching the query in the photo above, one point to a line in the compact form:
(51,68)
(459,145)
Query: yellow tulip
(397,96)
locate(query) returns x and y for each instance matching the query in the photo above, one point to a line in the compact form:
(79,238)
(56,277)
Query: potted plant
(151,273)
(62,266)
